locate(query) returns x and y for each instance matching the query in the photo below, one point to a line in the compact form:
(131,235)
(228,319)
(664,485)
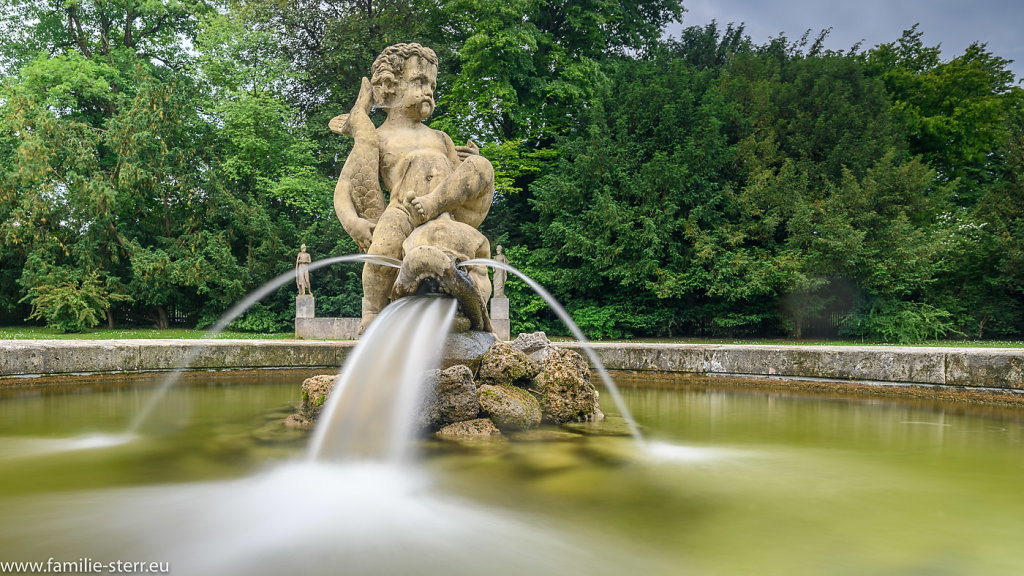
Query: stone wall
(53,357)
(973,367)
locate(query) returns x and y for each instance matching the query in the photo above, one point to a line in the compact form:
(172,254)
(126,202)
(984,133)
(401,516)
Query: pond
(736,479)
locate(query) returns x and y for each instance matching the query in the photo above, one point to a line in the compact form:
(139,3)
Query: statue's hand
(362,233)
(470,149)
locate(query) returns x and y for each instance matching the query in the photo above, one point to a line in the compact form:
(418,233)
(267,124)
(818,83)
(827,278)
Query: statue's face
(415,93)
(302,248)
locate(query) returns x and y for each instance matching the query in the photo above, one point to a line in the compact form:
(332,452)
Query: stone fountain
(439,193)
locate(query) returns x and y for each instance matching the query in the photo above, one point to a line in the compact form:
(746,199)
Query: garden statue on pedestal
(305,305)
(302,262)
(500,275)
(438,192)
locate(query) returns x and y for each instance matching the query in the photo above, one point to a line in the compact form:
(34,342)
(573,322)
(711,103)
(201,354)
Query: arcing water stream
(234,312)
(564,316)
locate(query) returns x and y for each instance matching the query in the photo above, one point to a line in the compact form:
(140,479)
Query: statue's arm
(450,150)
(458,154)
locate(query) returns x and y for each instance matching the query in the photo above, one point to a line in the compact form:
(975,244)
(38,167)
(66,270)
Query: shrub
(71,305)
(900,322)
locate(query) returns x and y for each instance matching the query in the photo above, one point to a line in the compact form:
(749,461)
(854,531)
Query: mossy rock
(510,408)
(314,394)
(503,364)
(450,397)
(478,429)
(566,394)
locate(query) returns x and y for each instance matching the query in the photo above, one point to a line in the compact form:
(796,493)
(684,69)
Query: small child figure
(424,172)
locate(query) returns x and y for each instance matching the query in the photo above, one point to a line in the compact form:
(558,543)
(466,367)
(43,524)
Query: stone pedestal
(327,328)
(500,318)
(305,306)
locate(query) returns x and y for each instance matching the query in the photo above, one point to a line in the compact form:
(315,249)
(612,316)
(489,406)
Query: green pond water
(735,480)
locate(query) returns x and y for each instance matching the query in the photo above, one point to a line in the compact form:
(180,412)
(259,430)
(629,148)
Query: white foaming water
(32,447)
(566,319)
(237,310)
(308,518)
(665,452)
(370,413)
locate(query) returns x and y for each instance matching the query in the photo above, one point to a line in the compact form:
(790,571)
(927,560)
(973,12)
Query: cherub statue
(425,174)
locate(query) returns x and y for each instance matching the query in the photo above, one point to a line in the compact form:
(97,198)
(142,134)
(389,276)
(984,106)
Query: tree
(963,118)
(102,141)
(957,114)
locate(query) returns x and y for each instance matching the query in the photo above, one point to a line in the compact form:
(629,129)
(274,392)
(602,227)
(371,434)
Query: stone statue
(431,254)
(302,271)
(425,174)
(500,275)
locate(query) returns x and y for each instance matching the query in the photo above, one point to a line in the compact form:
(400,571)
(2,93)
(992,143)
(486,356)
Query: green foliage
(527,69)
(900,323)
(69,300)
(260,318)
(528,310)
(598,321)
(161,160)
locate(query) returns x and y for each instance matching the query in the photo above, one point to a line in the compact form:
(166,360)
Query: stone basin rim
(1000,369)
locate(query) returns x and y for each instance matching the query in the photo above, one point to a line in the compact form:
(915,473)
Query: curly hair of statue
(389,64)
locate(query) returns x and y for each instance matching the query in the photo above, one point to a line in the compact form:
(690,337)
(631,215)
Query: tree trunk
(110,318)
(161,318)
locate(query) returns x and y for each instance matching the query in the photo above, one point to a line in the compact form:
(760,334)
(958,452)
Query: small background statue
(302,271)
(500,275)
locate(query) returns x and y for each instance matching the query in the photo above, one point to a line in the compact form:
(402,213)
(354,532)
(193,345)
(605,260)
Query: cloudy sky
(952,23)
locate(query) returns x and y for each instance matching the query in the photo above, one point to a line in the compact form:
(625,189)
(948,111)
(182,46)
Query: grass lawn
(43,333)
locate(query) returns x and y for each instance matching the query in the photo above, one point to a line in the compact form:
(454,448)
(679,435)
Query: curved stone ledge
(969,367)
(25,358)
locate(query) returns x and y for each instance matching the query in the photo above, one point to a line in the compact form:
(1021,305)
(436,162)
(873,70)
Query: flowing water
(370,413)
(733,481)
(773,483)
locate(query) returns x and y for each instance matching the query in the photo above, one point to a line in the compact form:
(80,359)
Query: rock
(298,422)
(503,364)
(466,348)
(450,398)
(535,345)
(566,392)
(481,428)
(510,408)
(314,394)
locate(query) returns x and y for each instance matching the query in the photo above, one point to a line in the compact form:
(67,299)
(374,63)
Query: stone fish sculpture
(438,193)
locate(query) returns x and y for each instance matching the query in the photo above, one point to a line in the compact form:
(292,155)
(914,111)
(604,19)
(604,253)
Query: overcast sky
(952,23)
